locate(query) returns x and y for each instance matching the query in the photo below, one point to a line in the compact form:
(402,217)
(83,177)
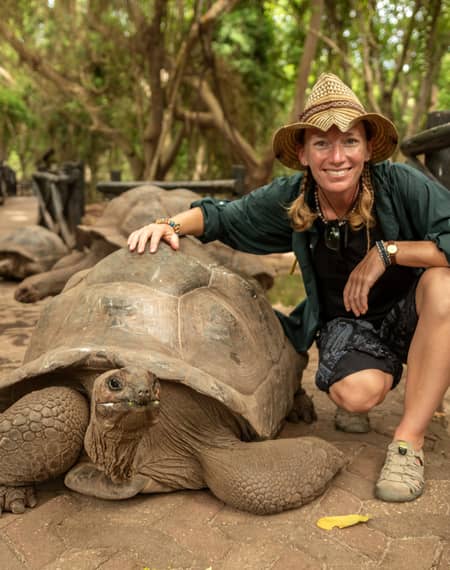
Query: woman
(373,242)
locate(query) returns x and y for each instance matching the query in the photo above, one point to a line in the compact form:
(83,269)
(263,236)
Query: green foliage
(443,98)
(13,107)
(249,58)
(288,290)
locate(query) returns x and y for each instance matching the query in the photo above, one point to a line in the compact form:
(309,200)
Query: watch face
(392,248)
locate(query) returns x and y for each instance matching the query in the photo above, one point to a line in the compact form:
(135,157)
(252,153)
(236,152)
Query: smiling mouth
(338,172)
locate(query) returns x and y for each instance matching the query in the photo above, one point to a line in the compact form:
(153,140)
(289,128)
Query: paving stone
(444,558)
(357,486)
(110,529)
(338,502)
(252,556)
(9,560)
(411,553)
(296,560)
(39,526)
(363,539)
(368,463)
(325,546)
(417,525)
(85,559)
(193,534)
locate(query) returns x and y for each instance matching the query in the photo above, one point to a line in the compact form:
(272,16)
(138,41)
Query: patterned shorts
(350,345)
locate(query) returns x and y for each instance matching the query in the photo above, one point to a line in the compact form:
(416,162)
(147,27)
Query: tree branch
(219,7)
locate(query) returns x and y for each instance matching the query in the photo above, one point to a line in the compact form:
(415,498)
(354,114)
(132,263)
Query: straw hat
(330,103)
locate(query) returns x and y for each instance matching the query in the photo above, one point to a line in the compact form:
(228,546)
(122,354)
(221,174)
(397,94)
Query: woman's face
(336,159)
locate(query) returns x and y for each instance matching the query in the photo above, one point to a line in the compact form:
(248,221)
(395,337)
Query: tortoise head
(16,266)
(124,405)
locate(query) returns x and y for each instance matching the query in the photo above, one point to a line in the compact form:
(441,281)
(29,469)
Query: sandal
(351,422)
(402,476)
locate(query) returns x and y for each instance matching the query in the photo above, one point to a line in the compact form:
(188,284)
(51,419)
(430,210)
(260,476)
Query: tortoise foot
(302,409)
(16,499)
(86,479)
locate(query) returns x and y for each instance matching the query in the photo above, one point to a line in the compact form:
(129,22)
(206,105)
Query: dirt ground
(194,530)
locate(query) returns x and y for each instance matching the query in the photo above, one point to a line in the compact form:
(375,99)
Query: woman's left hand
(361,280)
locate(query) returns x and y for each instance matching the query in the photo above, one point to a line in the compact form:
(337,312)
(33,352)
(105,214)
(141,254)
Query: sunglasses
(335,232)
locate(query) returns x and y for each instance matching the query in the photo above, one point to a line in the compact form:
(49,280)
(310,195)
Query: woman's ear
(301,155)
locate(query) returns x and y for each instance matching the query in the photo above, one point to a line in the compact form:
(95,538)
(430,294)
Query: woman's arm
(420,254)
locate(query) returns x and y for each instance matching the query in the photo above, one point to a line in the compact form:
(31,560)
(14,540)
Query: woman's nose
(337,152)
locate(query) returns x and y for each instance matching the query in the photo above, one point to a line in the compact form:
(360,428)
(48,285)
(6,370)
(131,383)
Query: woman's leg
(428,378)
(428,372)
(362,390)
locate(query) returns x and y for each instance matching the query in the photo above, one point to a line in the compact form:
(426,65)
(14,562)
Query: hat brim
(384,136)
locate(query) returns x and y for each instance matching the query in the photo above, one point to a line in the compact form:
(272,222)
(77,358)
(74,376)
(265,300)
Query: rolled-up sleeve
(256,223)
(425,206)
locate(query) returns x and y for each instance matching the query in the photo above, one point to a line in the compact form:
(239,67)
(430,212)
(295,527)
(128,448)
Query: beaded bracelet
(172,223)
(383,253)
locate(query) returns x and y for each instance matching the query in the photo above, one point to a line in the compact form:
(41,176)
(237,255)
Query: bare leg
(361,391)
(428,377)
(428,374)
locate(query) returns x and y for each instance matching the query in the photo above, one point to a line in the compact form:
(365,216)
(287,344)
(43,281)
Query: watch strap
(392,251)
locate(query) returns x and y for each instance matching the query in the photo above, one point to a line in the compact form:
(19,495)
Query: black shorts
(349,345)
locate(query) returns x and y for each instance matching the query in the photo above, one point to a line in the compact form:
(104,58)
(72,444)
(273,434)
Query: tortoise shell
(36,248)
(181,315)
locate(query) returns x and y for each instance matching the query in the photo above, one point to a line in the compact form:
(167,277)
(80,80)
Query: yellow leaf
(327,523)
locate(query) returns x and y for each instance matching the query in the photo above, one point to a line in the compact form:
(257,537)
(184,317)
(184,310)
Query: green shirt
(409,207)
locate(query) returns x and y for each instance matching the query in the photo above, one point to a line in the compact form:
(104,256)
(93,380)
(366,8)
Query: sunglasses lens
(332,236)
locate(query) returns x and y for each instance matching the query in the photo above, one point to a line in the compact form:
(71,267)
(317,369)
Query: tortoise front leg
(86,479)
(41,437)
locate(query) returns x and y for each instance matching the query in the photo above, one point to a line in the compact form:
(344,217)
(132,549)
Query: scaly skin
(41,437)
(196,444)
(42,434)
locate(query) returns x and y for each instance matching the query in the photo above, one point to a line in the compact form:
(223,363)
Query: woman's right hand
(153,233)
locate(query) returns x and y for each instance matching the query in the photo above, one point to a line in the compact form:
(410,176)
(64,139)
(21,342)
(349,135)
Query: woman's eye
(351,142)
(321,144)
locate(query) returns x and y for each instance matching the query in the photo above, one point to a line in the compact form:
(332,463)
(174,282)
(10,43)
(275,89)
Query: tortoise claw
(302,409)
(16,499)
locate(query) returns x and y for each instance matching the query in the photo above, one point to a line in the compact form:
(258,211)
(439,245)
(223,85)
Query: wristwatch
(392,250)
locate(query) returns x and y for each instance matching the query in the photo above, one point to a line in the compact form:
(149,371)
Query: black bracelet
(383,253)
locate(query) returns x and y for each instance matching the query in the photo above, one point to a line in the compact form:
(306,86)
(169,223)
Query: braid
(363,215)
(300,213)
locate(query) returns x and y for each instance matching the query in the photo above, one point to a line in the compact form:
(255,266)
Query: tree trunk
(308,55)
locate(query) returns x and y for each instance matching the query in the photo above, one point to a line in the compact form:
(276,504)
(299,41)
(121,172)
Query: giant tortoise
(124,214)
(29,250)
(182,325)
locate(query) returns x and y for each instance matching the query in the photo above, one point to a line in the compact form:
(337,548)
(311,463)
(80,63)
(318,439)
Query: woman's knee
(362,391)
(433,292)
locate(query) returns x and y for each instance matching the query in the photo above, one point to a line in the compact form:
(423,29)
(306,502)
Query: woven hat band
(321,107)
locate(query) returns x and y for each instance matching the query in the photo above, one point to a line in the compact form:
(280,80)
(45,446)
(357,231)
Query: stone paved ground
(193,530)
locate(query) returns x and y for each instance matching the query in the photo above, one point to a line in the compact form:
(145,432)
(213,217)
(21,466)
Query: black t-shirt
(333,268)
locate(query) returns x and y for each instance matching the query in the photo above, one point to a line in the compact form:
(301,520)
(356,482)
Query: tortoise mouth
(143,404)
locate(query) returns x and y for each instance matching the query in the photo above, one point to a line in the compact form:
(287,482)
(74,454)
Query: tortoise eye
(114,383)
